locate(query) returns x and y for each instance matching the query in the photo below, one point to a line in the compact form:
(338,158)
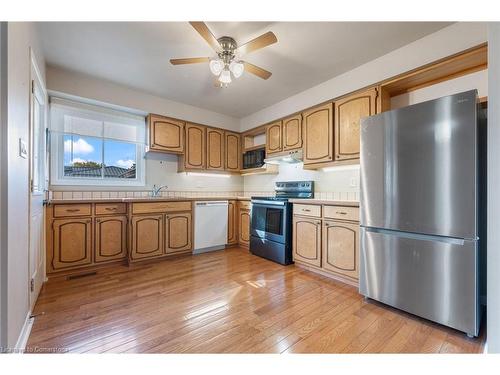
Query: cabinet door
(165,134)
(215,149)
(195,147)
(110,238)
(232,151)
(348,114)
(341,248)
(147,236)
(273,138)
(232,223)
(292,133)
(72,241)
(318,134)
(244,227)
(178,232)
(307,240)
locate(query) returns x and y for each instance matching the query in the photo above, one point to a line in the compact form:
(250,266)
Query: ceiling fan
(227,62)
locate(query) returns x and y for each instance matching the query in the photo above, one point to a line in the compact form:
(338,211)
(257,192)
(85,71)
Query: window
(92,145)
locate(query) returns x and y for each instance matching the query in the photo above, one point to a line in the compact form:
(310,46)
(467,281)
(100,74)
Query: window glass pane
(120,159)
(82,156)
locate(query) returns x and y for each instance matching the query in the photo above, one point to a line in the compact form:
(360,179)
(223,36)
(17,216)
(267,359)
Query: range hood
(287,157)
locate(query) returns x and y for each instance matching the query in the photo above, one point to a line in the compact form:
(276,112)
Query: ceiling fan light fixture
(236,68)
(216,66)
(225,76)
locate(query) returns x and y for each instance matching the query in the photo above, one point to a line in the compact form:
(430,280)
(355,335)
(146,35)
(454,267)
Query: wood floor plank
(226,302)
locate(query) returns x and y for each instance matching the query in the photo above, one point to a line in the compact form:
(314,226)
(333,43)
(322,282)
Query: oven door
(268,220)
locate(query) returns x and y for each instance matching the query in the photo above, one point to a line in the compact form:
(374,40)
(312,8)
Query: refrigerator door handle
(418,236)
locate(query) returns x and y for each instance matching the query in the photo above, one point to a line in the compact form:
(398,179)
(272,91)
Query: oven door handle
(268,203)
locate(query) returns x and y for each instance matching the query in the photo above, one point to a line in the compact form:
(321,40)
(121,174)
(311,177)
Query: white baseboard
(25,334)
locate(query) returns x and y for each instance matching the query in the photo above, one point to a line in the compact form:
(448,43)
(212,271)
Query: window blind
(94,121)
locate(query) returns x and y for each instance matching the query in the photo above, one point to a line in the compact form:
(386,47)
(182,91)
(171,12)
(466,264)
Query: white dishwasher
(210,225)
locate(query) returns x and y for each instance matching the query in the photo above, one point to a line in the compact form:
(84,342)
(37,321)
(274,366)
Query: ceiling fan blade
(191,60)
(260,42)
(254,69)
(206,34)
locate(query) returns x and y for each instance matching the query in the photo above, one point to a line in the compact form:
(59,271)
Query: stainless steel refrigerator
(423,209)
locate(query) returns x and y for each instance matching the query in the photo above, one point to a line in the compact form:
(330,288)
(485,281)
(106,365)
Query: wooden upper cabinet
(318,134)
(348,114)
(147,236)
(292,133)
(72,243)
(194,157)
(178,232)
(215,149)
(274,138)
(307,240)
(232,151)
(232,223)
(110,238)
(341,248)
(166,134)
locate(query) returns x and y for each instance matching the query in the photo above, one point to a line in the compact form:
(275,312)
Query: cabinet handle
(89,221)
(306,210)
(341,212)
(98,220)
(73,209)
(318,223)
(327,225)
(110,208)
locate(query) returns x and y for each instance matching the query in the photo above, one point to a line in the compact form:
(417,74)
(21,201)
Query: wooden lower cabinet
(232,223)
(110,238)
(341,248)
(329,246)
(244,227)
(146,236)
(178,232)
(72,243)
(307,240)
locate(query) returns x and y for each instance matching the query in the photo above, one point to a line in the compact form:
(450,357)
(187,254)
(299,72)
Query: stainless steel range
(271,224)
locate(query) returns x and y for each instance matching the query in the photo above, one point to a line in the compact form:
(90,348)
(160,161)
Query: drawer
(110,208)
(152,207)
(341,212)
(307,210)
(245,204)
(63,210)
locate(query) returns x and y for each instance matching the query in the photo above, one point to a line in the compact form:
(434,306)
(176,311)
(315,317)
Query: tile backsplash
(70,195)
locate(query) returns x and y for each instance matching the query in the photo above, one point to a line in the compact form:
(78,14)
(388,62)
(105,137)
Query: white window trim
(56,155)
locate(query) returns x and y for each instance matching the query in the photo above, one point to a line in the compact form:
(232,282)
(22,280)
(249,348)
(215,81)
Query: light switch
(354,182)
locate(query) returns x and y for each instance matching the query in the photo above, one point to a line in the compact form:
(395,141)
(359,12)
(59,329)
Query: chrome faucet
(155,192)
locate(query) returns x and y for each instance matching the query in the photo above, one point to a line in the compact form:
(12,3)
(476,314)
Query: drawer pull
(341,212)
(110,208)
(73,210)
(306,210)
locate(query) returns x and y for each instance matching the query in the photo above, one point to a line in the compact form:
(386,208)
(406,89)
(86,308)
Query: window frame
(56,155)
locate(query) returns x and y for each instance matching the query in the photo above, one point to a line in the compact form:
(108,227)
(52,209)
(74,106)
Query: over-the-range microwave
(254,158)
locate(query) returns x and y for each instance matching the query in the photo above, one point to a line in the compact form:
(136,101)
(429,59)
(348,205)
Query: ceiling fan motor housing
(228,46)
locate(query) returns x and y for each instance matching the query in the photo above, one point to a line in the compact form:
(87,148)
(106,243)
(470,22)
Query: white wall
(445,42)
(3,182)
(493,258)
(104,91)
(21,36)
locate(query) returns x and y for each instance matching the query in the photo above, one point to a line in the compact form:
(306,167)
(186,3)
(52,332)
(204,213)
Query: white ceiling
(307,53)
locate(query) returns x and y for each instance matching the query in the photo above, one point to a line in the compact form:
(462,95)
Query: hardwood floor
(226,302)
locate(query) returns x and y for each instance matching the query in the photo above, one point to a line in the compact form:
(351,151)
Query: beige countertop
(143,199)
(326,201)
